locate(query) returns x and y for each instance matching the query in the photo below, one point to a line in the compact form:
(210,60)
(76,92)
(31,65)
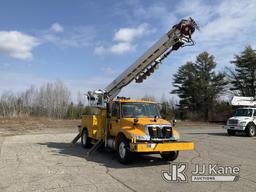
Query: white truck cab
(244,119)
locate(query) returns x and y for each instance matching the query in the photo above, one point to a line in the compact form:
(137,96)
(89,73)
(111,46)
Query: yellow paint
(96,125)
(161,147)
(94,132)
(133,101)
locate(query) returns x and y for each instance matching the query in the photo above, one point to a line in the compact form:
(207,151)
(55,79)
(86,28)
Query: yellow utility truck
(135,126)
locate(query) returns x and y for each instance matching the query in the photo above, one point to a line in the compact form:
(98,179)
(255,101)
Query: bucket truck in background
(244,118)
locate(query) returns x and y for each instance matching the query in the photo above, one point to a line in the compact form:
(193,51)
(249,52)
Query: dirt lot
(35,156)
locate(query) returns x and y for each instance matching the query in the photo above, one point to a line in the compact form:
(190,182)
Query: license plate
(151,145)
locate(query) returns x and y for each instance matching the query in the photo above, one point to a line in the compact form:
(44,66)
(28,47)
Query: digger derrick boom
(144,66)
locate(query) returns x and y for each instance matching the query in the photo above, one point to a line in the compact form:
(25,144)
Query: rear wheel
(231,132)
(123,151)
(251,130)
(85,140)
(171,156)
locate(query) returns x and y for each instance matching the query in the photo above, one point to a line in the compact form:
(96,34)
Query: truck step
(95,147)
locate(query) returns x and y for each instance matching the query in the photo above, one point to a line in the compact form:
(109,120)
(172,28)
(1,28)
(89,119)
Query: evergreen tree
(243,76)
(198,86)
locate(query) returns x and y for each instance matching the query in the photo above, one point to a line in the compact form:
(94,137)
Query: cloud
(100,50)
(225,28)
(17,45)
(198,10)
(157,12)
(124,38)
(60,41)
(76,37)
(129,34)
(109,70)
(56,27)
(118,48)
(231,20)
(121,48)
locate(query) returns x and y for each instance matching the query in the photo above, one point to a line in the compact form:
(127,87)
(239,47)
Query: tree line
(200,87)
(51,100)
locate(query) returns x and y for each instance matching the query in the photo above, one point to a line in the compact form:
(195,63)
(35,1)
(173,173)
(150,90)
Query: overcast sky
(86,44)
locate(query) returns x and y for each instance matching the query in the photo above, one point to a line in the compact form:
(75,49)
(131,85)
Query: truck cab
(141,116)
(135,126)
(243,120)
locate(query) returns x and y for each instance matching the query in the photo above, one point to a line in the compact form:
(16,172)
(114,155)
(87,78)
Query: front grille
(162,132)
(232,122)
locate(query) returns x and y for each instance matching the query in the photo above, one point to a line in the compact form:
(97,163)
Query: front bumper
(161,147)
(237,128)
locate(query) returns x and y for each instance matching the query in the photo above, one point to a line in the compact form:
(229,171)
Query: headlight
(142,137)
(242,123)
(176,135)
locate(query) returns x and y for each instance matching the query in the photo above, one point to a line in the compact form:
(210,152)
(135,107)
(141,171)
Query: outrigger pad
(94,148)
(73,142)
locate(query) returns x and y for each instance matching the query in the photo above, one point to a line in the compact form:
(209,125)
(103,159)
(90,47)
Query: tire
(231,132)
(173,155)
(250,130)
(123,152)
(85,140)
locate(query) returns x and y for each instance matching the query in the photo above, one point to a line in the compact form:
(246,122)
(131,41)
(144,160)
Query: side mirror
(155,118)
(174,122)
(135,121)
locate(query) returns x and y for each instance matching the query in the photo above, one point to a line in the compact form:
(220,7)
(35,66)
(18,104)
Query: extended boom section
(179,36)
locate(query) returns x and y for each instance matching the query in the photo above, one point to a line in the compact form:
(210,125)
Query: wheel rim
(252,131)
(122,150)
(84,137)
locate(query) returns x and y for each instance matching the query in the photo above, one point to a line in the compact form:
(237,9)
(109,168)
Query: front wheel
(171,156)
(251,130)
(123,151)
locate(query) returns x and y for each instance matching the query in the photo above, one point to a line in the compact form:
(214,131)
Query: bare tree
(49,100)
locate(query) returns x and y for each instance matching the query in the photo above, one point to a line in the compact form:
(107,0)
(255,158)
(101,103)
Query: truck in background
(244,118)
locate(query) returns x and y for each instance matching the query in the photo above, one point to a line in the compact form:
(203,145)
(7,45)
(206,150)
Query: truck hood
(147,121)
(240,118)
(128,124)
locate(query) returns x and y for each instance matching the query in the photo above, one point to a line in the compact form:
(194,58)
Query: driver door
(115,121)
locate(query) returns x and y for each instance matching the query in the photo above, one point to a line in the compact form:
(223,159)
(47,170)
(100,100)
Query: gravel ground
(40,159)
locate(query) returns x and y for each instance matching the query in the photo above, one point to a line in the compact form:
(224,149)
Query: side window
(115,109)
(254,112)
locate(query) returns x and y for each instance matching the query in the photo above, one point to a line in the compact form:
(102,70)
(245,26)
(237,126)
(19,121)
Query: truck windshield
(136,110)
(243,112)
